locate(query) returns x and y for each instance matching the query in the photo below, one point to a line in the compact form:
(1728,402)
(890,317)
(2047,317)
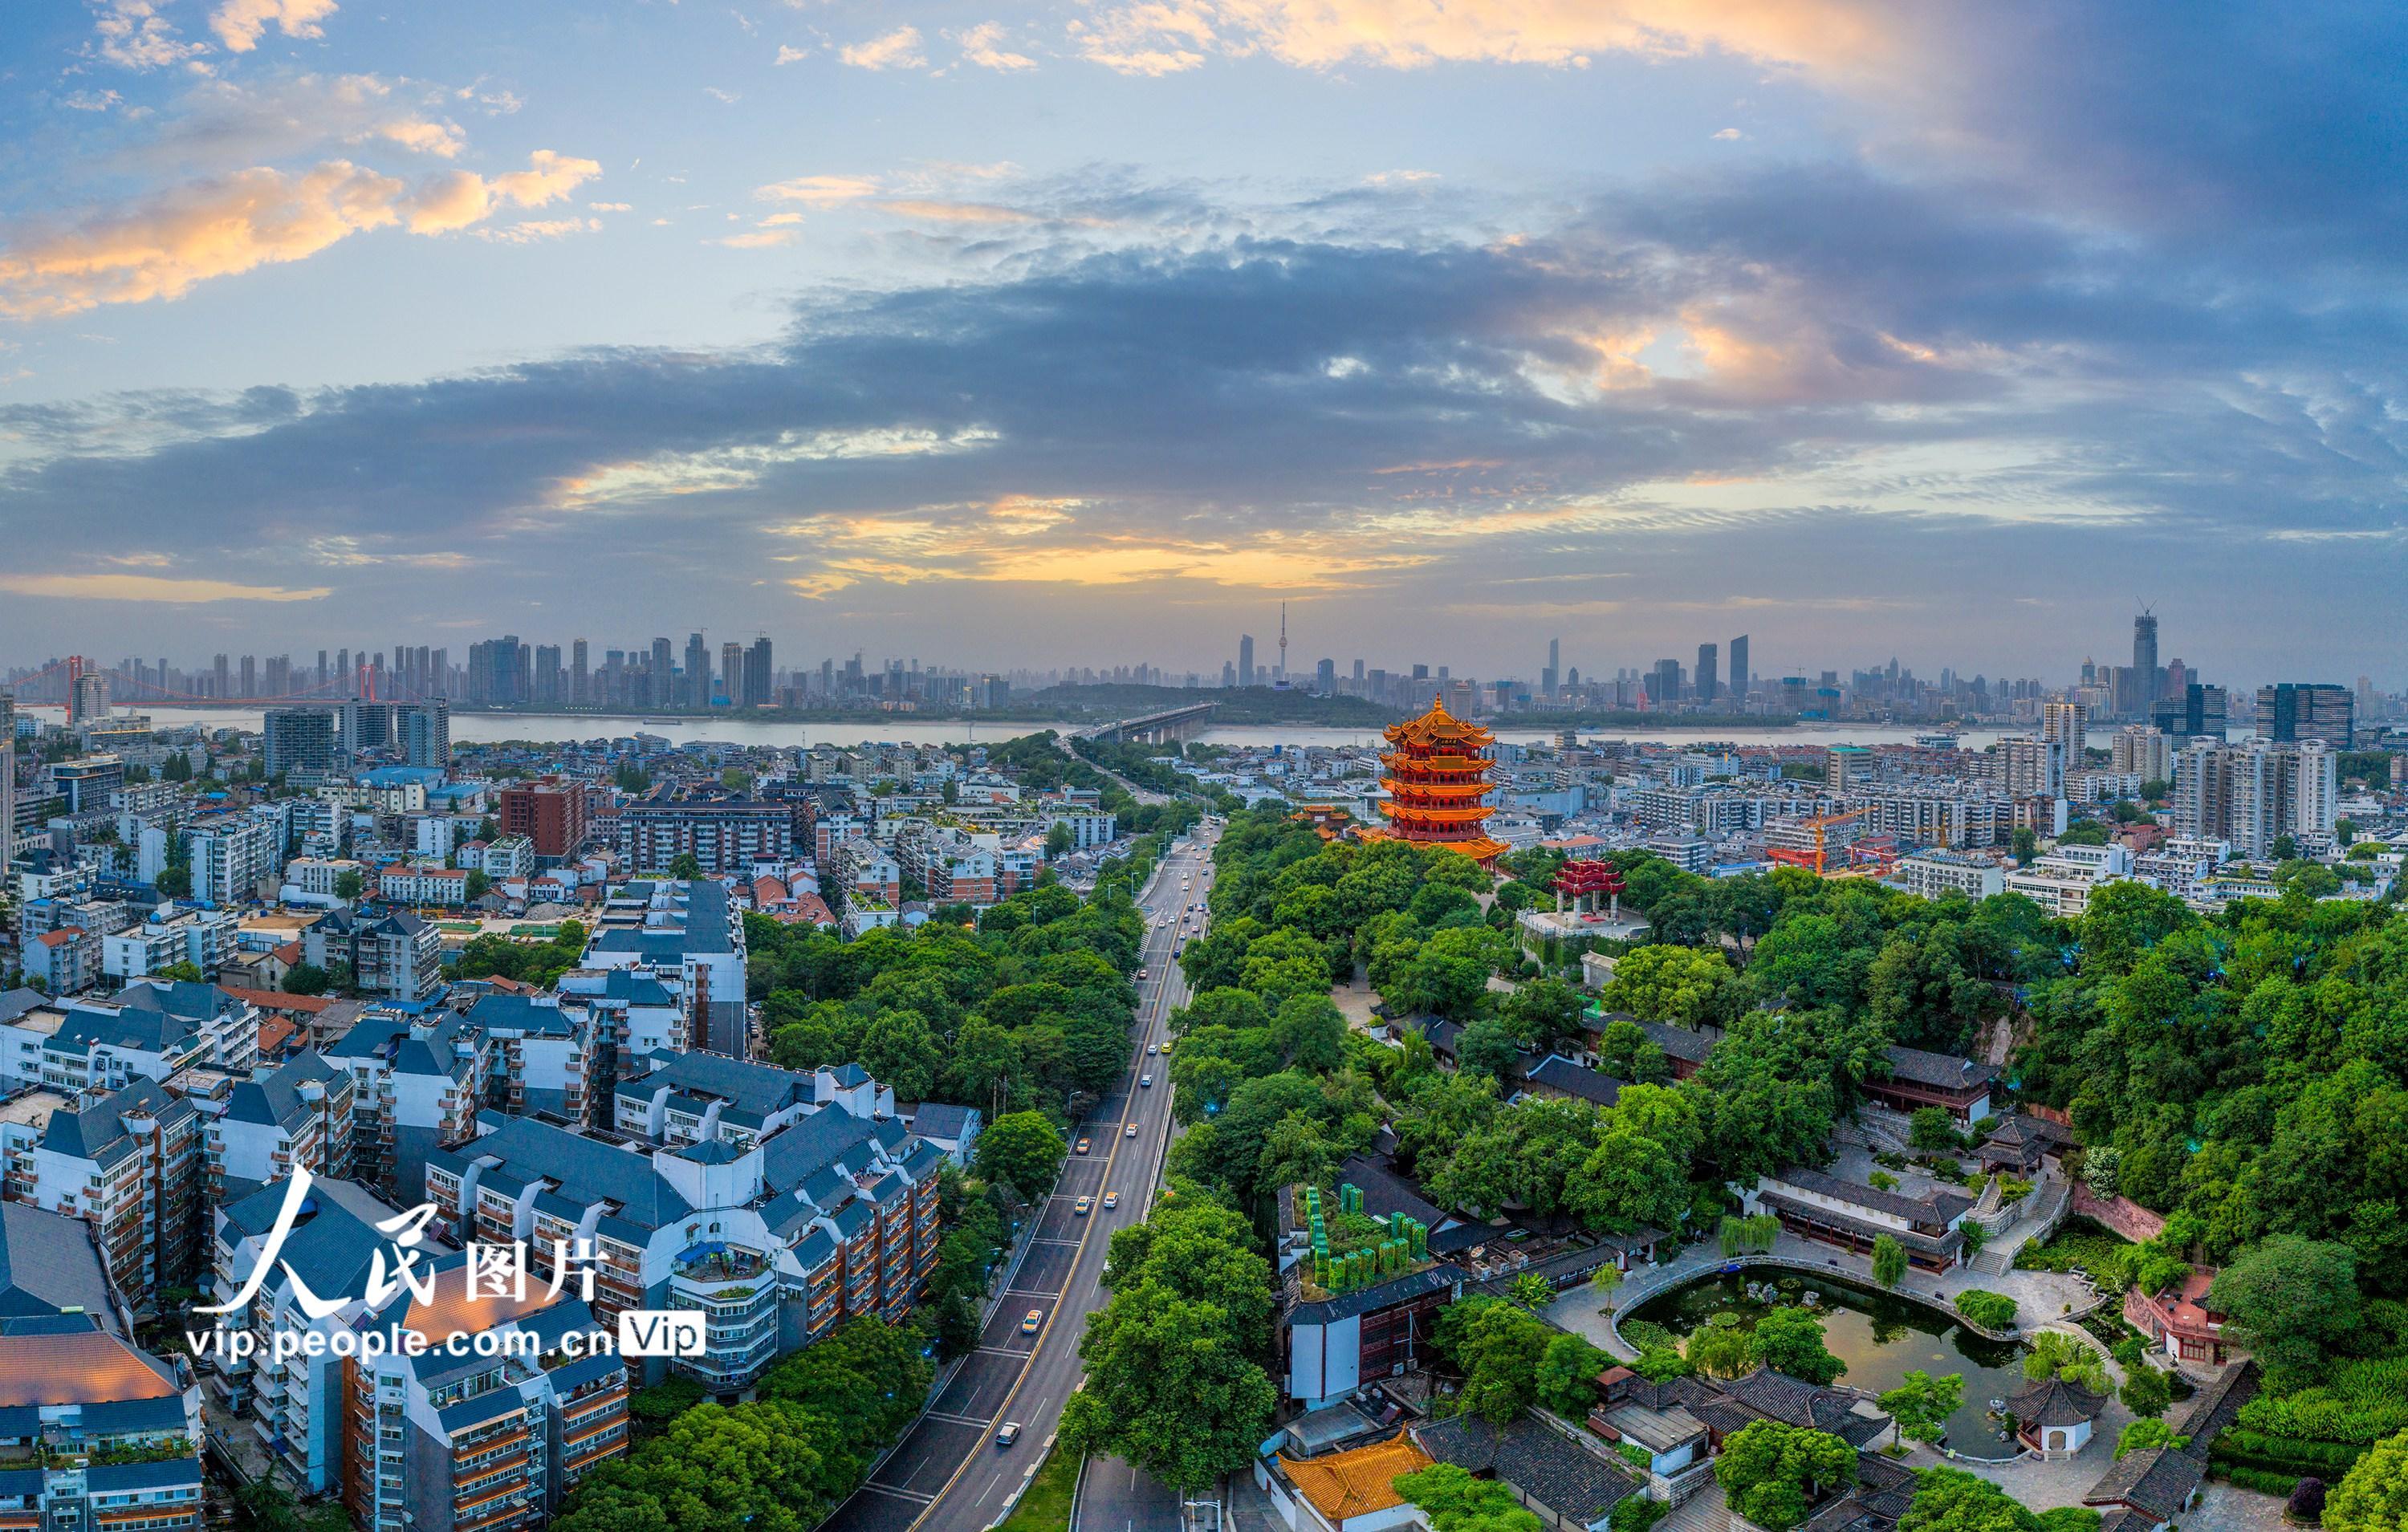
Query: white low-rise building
(1935,874)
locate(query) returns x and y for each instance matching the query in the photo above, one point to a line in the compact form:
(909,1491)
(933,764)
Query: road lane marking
(912,1494)
(1111,1155)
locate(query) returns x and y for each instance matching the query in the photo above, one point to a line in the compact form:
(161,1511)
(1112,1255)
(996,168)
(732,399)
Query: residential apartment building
(234,855)
(409,883)
(953,868)
(154,1029)
(687,931)
(67,960)
(28,1021)
(2251,794)
(127,1162)
(393,956)
(540,1055)
(256,1131)
(101,1433)
(512,856)
(634,1011)
(725,836)
(863,869)
(416,1084)
(1932,818)
(2032,767)
(1935,874)
(488,1443)
(203,938)
(2181,866)
(1089,826)
(552,814)
(2142,751)
(778,1203)
(317,876)
(301,740)
(466,1444)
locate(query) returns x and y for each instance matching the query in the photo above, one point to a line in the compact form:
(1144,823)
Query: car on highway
(1140,976)
(1145,1082)
(1131,1133)
(1081,1206)
(1081,1148)
(1152,1049)
(1111,1200)
(1034,1320)
(1006,1434)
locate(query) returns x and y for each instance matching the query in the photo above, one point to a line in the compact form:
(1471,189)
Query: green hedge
(2317,1459)
(2259,1480)
(2363,1401)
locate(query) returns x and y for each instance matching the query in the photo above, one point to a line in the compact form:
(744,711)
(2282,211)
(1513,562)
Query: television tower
(1282,670)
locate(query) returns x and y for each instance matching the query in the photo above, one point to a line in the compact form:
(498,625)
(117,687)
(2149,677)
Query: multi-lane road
(947,1474)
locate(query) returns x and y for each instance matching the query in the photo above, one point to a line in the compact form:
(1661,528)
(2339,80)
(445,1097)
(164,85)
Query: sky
(1089,333)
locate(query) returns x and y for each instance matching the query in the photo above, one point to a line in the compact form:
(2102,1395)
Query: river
(477,726)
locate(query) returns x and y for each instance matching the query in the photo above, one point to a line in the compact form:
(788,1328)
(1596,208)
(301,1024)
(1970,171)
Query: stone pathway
(1704,1511)
(2041,1296)
(2225,1508)
(1353,1001)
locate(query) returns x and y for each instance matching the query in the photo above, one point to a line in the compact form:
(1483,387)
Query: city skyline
(427,670)
(1045,334)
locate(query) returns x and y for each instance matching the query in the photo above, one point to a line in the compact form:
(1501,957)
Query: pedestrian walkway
(1704,1511)
(2041,1296)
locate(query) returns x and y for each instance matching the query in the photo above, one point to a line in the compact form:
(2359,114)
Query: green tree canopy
(2373,1495)
(1770,1472)
(2291,1302)
(1790,1341)
(1175,1382)
(1954,1500)
(1021,1148)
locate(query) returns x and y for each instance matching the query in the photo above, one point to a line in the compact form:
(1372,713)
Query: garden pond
(1880,1336)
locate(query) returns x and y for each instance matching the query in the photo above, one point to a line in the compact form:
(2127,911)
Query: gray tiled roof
(97,1131)
(333,1244)
(274,1099)
(586,1170)
(518,1014)
(1568,1479)
(48,1264)
(2156,1482)
(1937,1208)
(942,1120)
(1944,1071)
(2053,1401)
(754,1091)
(1677,1041)
(166,1473)
(1557,1072)
(1779,1397)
